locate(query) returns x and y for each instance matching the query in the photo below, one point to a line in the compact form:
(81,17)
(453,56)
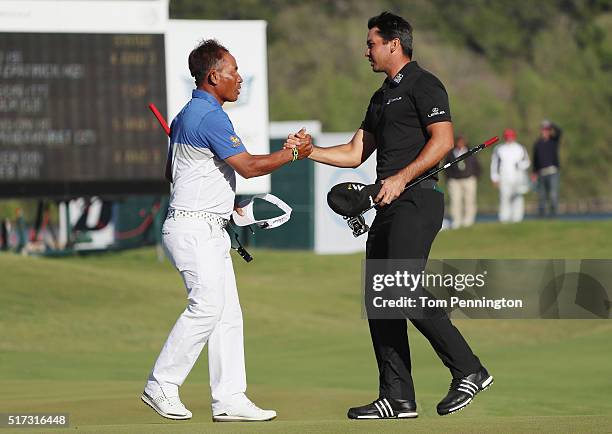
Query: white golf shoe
(244,411)
(171,408)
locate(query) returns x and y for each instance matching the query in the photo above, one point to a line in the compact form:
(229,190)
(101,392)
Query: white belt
(200,215)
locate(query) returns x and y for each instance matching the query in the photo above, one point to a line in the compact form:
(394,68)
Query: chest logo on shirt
(435,112)
(389,101)
(235,141)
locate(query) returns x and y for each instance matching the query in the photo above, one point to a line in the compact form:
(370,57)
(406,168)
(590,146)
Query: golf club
(358,224)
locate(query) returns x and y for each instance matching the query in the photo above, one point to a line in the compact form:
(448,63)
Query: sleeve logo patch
(435,112)
(235,141)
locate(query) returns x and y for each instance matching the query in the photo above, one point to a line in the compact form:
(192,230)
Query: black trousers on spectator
(405,229)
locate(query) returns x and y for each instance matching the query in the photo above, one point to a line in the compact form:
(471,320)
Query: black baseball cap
(350,199)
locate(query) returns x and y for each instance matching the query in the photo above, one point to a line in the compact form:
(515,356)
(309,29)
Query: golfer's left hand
(392,187)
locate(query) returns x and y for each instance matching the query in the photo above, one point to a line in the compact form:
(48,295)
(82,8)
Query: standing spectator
(546,168)
(462,181)
(20,228)
(5,230)
(509,166)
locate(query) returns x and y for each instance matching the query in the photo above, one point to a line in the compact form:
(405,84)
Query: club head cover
(349,199)
(249,218)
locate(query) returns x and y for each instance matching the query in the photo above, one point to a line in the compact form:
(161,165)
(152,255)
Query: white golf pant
(511,201)
(201,253)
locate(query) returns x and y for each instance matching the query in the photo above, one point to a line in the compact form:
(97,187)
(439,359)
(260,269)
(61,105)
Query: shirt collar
(406,69)
(198,93)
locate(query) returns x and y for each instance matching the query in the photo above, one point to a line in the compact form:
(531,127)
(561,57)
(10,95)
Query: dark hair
(391,26)
(205,57)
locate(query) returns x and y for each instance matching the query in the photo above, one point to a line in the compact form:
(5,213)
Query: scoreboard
(76,79)
(73,114)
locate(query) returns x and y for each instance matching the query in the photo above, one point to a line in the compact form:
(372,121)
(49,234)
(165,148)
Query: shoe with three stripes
(463,390)
(384,408)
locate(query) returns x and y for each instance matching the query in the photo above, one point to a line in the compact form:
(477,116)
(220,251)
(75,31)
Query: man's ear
(213,77)
(395,45)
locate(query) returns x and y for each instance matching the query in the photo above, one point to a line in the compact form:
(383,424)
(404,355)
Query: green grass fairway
(80,334)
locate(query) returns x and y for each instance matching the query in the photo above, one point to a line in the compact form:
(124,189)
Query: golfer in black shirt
(408,122)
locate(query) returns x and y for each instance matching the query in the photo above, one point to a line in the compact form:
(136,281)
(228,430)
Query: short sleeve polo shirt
(201,138)
(399,113)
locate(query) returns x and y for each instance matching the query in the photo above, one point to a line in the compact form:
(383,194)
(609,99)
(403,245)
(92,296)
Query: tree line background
(506,64)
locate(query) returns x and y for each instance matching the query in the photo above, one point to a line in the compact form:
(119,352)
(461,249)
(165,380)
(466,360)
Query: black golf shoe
(384,408)
(463,390)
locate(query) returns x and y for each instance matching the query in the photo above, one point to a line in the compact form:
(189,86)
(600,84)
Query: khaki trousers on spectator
(462,201)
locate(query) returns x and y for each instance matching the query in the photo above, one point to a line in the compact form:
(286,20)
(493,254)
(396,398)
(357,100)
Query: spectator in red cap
(509,166)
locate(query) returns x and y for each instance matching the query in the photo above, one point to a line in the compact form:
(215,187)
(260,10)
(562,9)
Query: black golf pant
(405,229)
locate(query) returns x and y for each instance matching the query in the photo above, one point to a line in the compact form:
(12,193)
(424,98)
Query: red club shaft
(160,118)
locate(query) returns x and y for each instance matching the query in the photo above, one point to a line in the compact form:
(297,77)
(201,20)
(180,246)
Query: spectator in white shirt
(509,166)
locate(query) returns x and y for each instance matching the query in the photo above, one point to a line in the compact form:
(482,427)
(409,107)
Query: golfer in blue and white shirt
(204,155)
